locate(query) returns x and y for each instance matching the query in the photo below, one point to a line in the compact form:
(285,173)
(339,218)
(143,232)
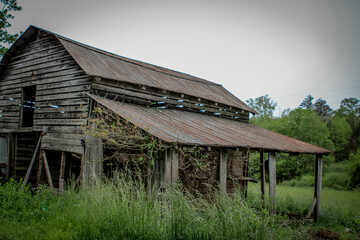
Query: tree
(340,132)
(264,105)
(307,102)
(5,15)
(350,109)
(322,108)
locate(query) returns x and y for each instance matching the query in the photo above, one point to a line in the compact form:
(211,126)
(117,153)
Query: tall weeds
(123,209)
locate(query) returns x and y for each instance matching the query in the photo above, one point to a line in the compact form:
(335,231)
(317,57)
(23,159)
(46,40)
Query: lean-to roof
(191,128)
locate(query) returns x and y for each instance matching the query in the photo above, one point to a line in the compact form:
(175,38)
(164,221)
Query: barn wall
(60,107)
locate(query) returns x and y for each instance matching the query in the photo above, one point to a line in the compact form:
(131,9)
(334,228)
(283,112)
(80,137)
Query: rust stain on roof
(191,128)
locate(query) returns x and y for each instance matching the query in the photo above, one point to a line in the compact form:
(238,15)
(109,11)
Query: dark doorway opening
(28,106)
(72,166)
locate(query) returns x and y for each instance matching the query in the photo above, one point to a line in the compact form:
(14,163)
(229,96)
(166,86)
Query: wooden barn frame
(49,85)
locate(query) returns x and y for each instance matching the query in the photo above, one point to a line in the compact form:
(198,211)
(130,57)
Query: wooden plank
(63,90)
(93,160)
(52,77)
(318,183)
(174,166)
(40,62)
(60,96)
(44,73)
(61,129)
(47,170)
(37,56)
(311,210)
(49,67)
(26,179)
(60,115)
(68,122)
(7,102)
(272,181)
(262,173)
(166,179)
(39,172)
(223,170)
(62,170)
(63,147)
(63,102)
(60,141)
(48,109)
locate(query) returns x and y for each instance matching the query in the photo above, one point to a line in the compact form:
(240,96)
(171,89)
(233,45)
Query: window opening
(28,106)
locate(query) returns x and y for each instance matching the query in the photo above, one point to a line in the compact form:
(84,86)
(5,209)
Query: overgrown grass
(340,210)
(123,209)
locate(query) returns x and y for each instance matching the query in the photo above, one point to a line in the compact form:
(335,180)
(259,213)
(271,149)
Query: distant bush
(303,181)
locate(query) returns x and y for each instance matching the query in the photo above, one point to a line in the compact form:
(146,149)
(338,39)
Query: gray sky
(285,48)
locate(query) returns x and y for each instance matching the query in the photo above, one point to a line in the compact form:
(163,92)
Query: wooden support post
(92,161)
(47,170)
(272,181)
(39,172)
(223,170)
(28,172)
(170,168)
(62,170)
(262,174)
(318,181)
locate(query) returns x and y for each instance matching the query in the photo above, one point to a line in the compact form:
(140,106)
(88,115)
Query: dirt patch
(325,235)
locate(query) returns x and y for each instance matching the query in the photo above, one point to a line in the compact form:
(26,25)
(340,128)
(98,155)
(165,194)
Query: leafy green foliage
(350,109)
(354,169)
(264,105)
(8,6)
(340,132)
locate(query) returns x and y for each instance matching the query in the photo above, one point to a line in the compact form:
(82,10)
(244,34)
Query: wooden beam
(39,172)
(223,170)
(318,182)
(47,170)
(308,215)
(62,170)
(170,168)
(92,165)
(272,181)
(27,176)
(174,166)
(262,174)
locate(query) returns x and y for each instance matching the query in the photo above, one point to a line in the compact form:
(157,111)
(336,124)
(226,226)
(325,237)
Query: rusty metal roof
(176,126)
(103,64)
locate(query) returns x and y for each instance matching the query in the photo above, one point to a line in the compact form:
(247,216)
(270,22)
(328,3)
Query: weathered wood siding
(153,97)
(61,108)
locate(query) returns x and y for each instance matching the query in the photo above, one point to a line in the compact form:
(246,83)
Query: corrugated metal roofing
(99,63)
(191,128)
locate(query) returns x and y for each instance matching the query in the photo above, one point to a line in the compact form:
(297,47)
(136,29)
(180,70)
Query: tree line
(316,123)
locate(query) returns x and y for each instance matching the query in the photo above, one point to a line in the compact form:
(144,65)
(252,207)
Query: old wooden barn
(49,86)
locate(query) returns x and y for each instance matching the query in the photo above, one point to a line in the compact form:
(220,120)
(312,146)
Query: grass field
(345,201)
(340,210)
(123,209)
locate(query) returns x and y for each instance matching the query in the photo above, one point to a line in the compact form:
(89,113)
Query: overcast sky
(285,48)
